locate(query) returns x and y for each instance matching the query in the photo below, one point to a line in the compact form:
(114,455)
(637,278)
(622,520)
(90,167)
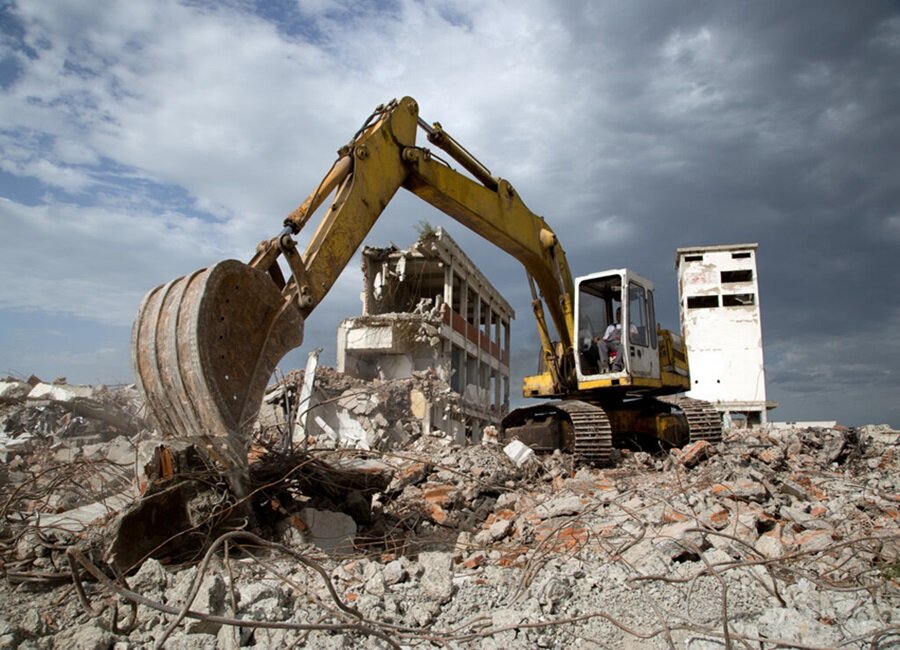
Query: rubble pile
(785,537)
(33,413)
(346,412)
(68,458)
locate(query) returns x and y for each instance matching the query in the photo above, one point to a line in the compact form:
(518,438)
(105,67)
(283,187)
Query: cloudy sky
(140,140)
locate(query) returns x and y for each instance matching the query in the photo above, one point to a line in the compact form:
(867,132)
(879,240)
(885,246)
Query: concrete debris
(330,531)
(773,537)
(437,575)
(880,432)
(34,414)
(694,453)
(60,392)
(518,452)
(346,412)
(12,390)
(209,598)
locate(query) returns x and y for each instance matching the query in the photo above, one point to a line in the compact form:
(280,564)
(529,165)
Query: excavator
(205,345)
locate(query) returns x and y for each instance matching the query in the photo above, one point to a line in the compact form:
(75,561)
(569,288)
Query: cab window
(638,320)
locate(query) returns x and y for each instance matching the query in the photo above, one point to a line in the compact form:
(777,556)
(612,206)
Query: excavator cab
(630,348)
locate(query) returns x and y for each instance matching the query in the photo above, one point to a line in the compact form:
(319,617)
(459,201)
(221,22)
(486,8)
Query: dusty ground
(779,538)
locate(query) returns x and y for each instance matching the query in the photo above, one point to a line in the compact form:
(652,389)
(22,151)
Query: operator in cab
(611,342)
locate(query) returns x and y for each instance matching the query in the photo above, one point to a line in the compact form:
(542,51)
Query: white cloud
(245,119)
(612,230)
(94,262)
(67,178)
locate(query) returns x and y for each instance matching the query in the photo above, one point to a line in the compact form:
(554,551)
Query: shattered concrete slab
(64,414)
(60,392)
(346,412)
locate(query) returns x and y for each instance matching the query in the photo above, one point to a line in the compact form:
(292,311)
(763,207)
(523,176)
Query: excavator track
(575,426)
(593,432)
(703,419)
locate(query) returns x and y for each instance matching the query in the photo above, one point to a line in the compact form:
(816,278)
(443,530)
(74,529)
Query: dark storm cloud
(775,123)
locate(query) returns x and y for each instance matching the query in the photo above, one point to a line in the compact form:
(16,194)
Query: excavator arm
(205,345)
(383,158)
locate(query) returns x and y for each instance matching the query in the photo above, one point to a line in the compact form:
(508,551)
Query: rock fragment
(437,576)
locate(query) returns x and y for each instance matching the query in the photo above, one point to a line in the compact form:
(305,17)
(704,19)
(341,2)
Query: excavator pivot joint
(304,299)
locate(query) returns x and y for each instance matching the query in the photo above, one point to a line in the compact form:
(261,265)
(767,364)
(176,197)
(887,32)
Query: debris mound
(780,537)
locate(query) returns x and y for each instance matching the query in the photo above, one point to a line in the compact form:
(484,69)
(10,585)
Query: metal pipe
(339,171)
(438,137)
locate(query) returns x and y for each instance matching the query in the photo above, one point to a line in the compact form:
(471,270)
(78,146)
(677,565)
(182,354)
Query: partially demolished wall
(428,308)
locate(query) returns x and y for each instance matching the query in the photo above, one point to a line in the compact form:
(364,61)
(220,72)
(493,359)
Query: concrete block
(210,598)
(333,532)
(500,529)
(437,577)
(60,392)
(151,578)
(811,541)
(560,507)
(518,452)
(418,404)
(394,572)
(694,453)
(769,545)
(743,489)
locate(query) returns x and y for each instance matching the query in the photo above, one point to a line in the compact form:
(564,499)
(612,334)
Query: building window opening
(702,302)
(471,306)
(457,367)
(457,293)
(738,300)
(744,275)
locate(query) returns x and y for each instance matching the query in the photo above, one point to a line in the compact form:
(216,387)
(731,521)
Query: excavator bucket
(204,347)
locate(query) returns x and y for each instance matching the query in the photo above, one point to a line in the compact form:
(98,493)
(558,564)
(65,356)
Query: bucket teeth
(204,347)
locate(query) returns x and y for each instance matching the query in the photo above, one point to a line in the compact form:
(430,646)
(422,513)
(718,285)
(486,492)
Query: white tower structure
(720,320)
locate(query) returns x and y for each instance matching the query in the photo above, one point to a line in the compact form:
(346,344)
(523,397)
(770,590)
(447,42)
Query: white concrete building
(429,307)
(720,320)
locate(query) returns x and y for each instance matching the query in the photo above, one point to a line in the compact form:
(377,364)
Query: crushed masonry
(781,536)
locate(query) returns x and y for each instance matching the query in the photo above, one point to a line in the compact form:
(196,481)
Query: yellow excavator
(205,345)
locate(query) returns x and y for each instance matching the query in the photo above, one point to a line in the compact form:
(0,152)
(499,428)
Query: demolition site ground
(406,538)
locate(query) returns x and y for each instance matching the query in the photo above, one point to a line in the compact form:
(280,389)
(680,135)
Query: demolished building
(722,325)
(429,309)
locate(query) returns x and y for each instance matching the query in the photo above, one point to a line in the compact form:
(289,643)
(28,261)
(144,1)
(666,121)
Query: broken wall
(428,307)
(721,323)
(380,414)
